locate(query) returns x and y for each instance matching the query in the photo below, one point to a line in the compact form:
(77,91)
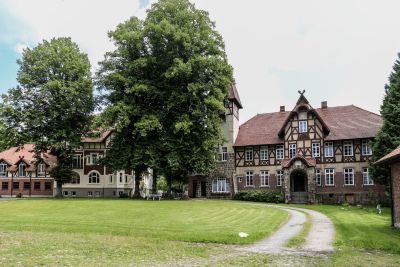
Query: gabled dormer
(303,122)
(21,167)
(4,165)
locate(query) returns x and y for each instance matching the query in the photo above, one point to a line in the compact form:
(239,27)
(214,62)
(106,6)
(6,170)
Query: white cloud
(19,48)
(340,51)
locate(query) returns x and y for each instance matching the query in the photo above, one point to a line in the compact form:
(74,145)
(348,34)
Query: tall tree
(388,137)
(165,86)
(53,102)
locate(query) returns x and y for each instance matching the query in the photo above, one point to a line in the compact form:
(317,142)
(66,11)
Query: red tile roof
(103,135)
(14,155)
(309,162)
(395,154)
(344,122)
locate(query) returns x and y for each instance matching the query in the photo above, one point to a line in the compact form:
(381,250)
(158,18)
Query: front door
(299,180)
(203,189)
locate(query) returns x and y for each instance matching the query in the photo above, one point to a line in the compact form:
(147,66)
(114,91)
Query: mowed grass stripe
(197,221)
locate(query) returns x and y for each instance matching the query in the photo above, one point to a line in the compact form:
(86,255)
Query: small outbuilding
(393,160)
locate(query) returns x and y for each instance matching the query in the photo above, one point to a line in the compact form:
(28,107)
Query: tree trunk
(59,190)
(169,181)
(136,193)
(154,187)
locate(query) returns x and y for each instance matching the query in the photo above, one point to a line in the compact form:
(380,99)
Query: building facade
(22,175)
(92,179)
(221,183)
(313,155)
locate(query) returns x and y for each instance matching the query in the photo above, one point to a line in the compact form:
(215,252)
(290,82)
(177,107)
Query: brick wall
(37,186)
(396,193)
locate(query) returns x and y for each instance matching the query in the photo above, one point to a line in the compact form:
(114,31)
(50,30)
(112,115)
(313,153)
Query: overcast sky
(339,51)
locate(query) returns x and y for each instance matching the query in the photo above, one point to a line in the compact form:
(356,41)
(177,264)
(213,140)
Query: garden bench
(154,196)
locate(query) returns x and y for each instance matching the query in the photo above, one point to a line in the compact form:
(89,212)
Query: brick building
(393,160)
(21,174)
(313,155)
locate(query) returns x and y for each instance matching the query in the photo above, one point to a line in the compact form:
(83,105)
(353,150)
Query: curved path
(319,239)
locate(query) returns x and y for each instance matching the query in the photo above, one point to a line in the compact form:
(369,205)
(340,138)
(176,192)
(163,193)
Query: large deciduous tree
(388,137)
(165,86)
(53,102)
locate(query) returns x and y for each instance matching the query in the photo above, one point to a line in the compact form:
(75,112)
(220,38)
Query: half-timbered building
(21,174)
(311,154)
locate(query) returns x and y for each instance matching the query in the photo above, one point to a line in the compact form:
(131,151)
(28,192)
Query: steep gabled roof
(234,95)
(103,135)
(392,156)
(26,153)
(344,122)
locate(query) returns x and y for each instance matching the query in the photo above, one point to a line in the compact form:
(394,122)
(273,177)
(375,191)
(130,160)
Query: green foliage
(388,137)
(52,104)
(272,196)
(164,87)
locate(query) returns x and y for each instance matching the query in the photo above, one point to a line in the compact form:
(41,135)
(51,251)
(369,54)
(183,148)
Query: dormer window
(3,169)
(249,154)
(41,170)
(303,127)
(22,170)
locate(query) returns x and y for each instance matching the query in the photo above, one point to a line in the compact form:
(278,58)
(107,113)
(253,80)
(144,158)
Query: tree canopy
(53,102)
(388,137)
(164,89)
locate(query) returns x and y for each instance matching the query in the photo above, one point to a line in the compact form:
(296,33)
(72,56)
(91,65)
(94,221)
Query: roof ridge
(367,110)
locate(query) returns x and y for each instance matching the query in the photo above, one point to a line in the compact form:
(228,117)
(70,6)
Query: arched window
(94,178)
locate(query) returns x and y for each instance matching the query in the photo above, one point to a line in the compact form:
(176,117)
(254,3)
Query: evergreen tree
(53,102)
(388,137)
(165,87)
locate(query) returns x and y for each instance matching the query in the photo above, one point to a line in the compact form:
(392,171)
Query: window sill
(348,185)
(249,186)
(330,185)
(368,184)
(264,186)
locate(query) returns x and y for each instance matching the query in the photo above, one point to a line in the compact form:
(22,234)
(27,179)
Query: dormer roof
(309,162)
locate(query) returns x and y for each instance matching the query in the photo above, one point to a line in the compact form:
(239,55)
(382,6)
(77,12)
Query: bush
(19,195)
(274,196)
(123,195)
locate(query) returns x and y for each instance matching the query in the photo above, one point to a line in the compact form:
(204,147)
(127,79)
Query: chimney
(282,109)
(324,104)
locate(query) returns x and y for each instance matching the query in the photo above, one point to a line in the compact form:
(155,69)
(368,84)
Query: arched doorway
(299,186)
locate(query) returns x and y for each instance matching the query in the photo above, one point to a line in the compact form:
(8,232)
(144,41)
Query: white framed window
(249,178)
(318,177)
(316,150)
(73,193)
(366,148)
(76,162)
(65,193)
(279,152)
(329,176)
(249,154)
(264,152)
(220,185)
(367,180)
(348,148)
(348,175)
(3,169)
(94,178)
(303,127)
(126,178)
(328,149)
(264,176)
(120,177)
(90,193)
(111,179)
(279,178)
(224,153)
(292,150)
(41,170)
(22,170)
(95,158)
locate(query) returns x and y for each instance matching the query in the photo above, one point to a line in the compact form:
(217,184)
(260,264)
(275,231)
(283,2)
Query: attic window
(3,169)
(41,170)
(303,127)
(22,170)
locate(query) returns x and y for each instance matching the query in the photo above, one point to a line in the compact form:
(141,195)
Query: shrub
(123,195)
(19,195)
(274,196)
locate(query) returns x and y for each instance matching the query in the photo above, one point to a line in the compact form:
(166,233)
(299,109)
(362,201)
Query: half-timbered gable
(335,139)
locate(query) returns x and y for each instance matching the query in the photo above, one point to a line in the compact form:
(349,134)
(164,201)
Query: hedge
(274,196)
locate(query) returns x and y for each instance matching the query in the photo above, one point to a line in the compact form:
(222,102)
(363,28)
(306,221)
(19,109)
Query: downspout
(12,183)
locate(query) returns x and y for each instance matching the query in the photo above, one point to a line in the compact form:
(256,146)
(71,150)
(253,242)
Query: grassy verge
(300,239)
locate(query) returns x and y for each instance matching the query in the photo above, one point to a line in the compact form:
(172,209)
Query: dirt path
(319,240)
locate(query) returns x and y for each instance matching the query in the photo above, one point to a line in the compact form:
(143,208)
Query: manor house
(312,155)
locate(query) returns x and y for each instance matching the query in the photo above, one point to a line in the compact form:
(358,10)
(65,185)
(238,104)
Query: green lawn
(127,232)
